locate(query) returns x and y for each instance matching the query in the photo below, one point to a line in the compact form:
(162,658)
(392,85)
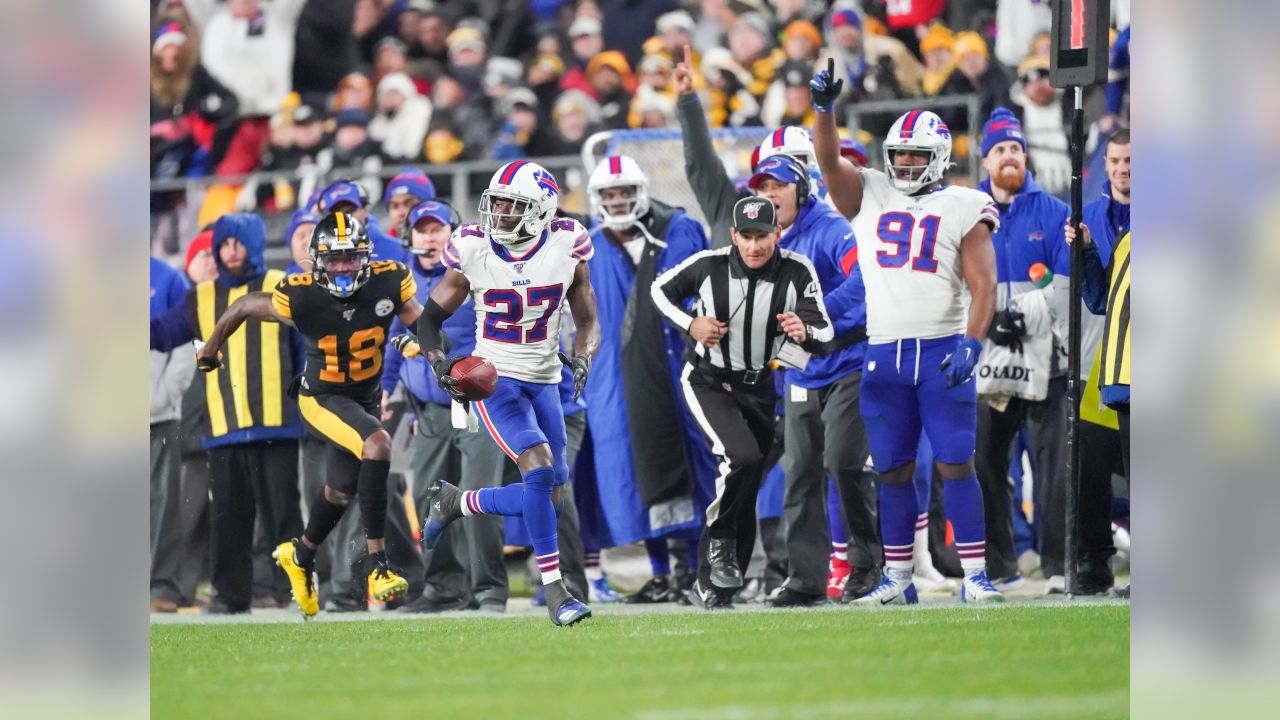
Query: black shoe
(430,604)
(345,604)
(711,598)
(444,505)
(789,598)
(657,590)
(722,555)
(563,607)
(861,582)
(218,607)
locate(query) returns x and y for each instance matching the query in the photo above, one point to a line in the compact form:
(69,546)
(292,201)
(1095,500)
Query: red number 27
(896,229)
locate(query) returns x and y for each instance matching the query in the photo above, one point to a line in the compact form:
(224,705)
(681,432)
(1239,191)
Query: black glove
(824,88)
(581,365)
(1008,327)
(207,365)
(448,383)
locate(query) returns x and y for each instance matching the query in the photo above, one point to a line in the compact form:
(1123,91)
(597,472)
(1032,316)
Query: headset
(802,185)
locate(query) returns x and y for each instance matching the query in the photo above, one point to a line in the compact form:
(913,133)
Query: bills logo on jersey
(546,182)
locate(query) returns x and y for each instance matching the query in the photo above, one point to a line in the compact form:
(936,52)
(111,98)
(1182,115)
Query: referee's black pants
(738,420)
(247,477)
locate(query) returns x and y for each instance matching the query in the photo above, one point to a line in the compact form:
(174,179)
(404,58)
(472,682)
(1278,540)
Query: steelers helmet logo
(384,307)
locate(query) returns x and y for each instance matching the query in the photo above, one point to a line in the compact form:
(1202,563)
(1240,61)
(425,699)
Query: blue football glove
(958,366)
(824,88)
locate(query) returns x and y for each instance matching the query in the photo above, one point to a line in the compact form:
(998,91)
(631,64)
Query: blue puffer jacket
(822,235)
(415,373)
(1030,232)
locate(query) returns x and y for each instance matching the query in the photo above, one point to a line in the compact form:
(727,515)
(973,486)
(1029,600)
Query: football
(477,377)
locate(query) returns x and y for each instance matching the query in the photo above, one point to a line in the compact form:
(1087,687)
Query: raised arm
(844,181)
(702,166)
(255,306)
(978,263)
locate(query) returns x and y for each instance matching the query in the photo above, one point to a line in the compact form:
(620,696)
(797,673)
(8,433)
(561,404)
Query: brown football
(476,377)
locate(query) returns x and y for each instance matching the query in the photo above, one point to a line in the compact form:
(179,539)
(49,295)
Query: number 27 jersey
(518,297)
(909,255)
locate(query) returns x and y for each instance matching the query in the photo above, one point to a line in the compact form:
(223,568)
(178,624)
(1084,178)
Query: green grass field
(1012,662)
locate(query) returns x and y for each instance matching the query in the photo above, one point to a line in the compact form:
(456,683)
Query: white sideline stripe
(717,447)
(983,707)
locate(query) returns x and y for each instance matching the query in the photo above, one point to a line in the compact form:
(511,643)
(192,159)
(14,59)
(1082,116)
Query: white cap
(676,20)
(584,25)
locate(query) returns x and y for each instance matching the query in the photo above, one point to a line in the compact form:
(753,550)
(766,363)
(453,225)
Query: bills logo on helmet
(752,211)
(546,182)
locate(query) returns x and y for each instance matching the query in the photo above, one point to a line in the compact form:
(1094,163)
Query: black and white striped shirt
(746,300)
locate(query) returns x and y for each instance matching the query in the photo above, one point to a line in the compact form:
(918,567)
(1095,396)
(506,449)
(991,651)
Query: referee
(749,299)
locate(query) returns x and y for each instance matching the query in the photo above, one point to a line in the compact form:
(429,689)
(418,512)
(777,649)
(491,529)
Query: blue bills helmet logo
(546,182)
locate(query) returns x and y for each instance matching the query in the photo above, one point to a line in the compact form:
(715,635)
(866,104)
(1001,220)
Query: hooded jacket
(179,325)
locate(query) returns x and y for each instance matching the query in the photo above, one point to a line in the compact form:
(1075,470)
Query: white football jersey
(909,255)
(518,296)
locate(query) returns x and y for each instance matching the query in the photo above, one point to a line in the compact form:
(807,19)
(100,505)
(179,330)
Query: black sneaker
(711,598)
(563,607)
(788,598)
(722,555)
(444,503)
(861,582)
(430,604)
(344,604)
(657,590)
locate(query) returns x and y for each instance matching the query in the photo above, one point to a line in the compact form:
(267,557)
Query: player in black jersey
(343,308)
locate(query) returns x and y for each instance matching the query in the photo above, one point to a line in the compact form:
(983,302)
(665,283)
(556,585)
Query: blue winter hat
(776,167)
(301,217)
(1002,125)
(341,192)
(430,209)
(410,181)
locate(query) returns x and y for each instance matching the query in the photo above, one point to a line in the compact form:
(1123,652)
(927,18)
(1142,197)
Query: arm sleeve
(847,304)
(172,329)
(707,176)
(408,286)
(392,361)
(1118,74)
(1094,282)
(810,307)
(675,285)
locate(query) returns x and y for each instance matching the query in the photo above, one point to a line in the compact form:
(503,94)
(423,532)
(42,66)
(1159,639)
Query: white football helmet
(794,141)
(618,171)
(532,194)
(921,131)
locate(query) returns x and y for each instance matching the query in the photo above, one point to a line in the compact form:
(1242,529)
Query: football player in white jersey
(920,243)
(518,264)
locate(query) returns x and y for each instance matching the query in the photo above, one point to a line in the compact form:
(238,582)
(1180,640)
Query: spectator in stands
(909,21)
(351,143)
(467,53)
(326,48)
(628,23)
(520,134)
(1043,115)
(501,75)
(873,67)
(975,73)
(802,42)
(543,78)
(788,12)
(458,128)
(1117,83)
(714,19)
(729,102)
(193,116)
(1019,22)
(392,56)
(300,140)
(575,116)
(403,116)
(171,373)
(355,91)
(368,26)
(432,37)
(611,85)
(752,48)
(585,42)
(938,48)
(652,110)
(253,425)
(675,30)
(407,189)
(787,102)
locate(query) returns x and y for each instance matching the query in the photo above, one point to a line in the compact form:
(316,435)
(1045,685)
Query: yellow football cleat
(304,591)
(385,584)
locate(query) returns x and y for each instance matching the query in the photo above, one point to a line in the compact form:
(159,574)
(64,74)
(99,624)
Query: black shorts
(341,421)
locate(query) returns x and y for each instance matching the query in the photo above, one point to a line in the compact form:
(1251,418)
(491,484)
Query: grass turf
(1013,662)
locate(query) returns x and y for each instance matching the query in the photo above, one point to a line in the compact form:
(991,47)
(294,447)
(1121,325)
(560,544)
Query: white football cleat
(976,588)
(894,589)
(928,580)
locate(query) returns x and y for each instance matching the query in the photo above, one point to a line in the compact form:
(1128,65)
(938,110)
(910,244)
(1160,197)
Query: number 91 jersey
(518,296)
(909,255)
(345,337)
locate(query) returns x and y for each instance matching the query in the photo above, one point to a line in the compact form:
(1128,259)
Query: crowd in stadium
(329,93)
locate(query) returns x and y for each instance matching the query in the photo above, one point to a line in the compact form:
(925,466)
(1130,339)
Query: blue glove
(959,364)
(824,88)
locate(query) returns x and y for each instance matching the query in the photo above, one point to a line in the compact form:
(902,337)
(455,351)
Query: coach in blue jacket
(824,431)
(1031,222)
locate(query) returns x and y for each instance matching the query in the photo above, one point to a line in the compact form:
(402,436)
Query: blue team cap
(778,167)
(340,193)
(430,209)
(410,181)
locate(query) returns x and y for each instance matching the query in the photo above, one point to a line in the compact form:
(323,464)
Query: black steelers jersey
(345,337)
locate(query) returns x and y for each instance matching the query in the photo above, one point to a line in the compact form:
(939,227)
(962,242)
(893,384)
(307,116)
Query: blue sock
(839,536)
(659,556)
(962,500)
(507,500)
(540,519)
(898,512)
